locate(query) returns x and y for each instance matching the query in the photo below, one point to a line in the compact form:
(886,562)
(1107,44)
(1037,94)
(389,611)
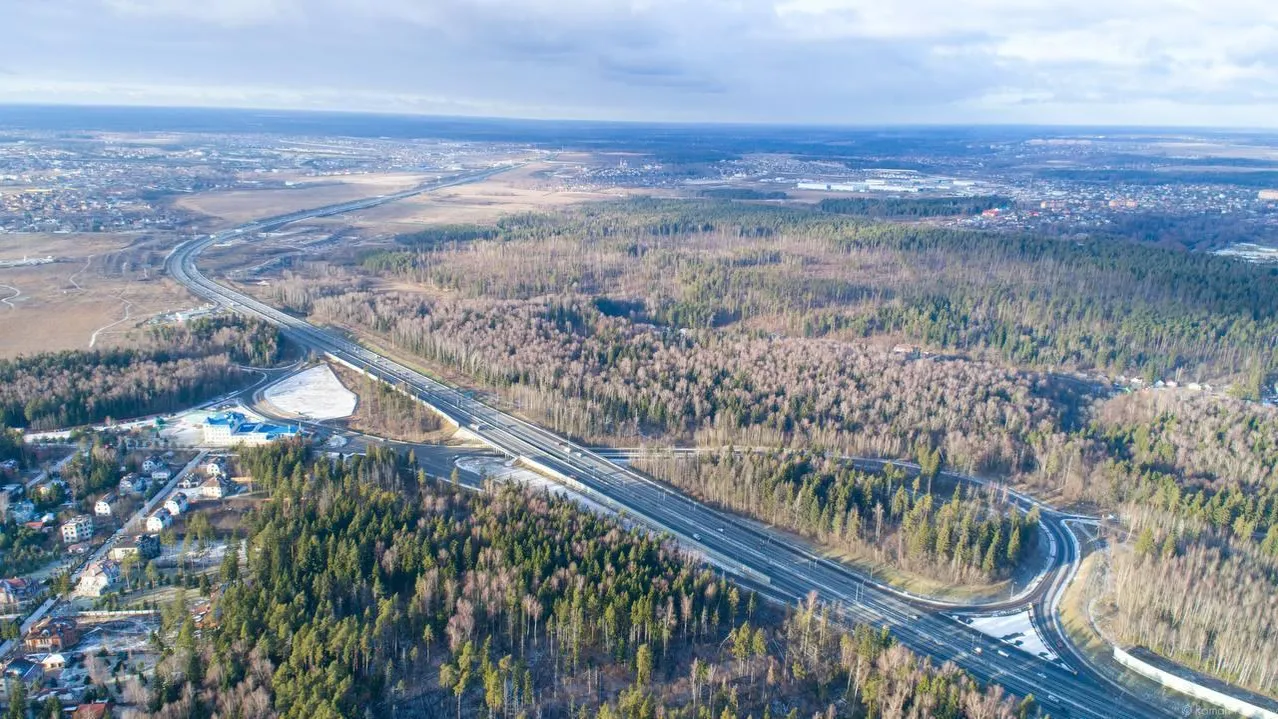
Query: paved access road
(778,568)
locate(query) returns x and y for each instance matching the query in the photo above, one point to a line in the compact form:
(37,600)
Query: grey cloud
(833,61)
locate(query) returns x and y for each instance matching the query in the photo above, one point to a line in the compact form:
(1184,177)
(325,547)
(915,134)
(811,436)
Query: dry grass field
(102,289)
(238,206)
(527,189)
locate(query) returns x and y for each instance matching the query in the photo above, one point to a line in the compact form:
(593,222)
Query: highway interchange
(776,566)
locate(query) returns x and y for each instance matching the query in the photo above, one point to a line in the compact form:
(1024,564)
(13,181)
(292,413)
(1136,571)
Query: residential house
(15,591)
(159,521)
(213,488)
(103,507)
(94,710)
(22,670)
(99,578)
(152,463)
(176,503)
(54,661)
(215,467)
(52,634)
(146,546)
(77,529)
(21,512)
(162,474)
(53,490)
(134,484)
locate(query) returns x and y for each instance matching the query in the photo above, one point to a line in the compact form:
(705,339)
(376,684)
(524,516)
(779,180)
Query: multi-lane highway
(779,568)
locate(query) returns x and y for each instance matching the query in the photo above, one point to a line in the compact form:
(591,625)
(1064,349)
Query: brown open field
(104,287)
(527,189)
(239,206)
(97,279)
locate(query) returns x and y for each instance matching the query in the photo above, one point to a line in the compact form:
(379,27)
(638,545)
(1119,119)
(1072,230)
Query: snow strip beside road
(504,470)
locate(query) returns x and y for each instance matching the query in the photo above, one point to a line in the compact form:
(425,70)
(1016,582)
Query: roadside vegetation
(608,378)
(884,516)
(383,411)
(1195,581)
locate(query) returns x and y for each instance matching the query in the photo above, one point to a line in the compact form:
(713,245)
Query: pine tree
(643,665)
(1145,542)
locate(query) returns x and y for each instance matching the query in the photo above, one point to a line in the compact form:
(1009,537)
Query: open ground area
(230,207)
(533,188)
(313,394)
(99,291)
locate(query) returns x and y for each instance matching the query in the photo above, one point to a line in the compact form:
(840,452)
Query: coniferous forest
(367,589)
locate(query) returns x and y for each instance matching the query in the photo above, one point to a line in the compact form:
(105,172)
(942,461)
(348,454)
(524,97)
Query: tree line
(1096,303)
(912,207)
(12,446)
(1199,595)
(177,366)
(595,376)
(384,411)
(879,515)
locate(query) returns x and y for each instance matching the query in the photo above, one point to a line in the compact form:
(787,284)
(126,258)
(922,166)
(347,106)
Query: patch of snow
(505,470)
(1250,252)
(315,394)
(1015,629)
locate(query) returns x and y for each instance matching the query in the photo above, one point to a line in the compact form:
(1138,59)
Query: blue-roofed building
(231,428)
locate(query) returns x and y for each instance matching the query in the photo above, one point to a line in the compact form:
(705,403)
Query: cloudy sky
(1179,62)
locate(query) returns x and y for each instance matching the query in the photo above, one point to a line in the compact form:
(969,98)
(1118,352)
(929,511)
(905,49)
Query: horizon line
(549,121)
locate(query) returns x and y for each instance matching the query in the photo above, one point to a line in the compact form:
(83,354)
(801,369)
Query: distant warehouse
(231,428)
